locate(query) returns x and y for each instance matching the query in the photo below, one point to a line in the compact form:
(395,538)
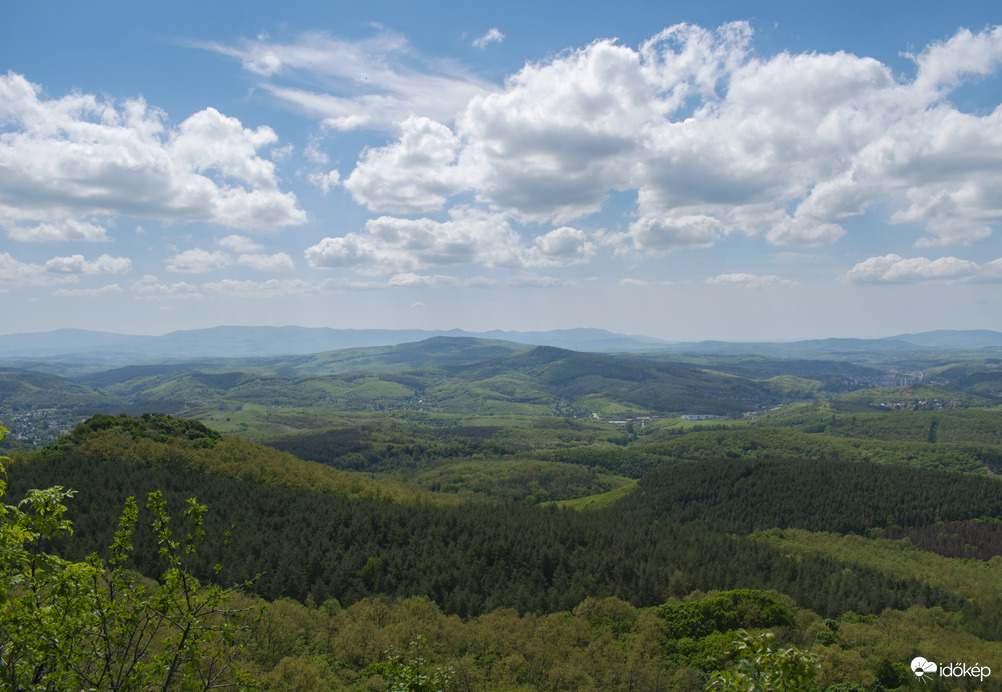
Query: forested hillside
(483,377)
(470,562)
(428,581)
(742,495)
(447,375)
(501,517)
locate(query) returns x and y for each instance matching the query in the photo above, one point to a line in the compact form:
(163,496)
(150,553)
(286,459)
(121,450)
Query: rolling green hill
(590,381)
(641,585)
(461,489)
(481,377)
(779,443)
(816,495)
(448,374)
(347,542)
(21,390)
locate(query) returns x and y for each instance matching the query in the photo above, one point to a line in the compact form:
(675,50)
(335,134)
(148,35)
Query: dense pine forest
(532,542)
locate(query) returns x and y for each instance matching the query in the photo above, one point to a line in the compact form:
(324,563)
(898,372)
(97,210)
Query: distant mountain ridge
(448,374)
(230,341)
(938,340)
(287,341)
(467,375)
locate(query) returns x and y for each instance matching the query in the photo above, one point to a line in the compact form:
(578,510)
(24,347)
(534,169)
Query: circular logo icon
(921,667)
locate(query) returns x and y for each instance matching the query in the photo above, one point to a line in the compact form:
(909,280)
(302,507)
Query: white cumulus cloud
(239,243)
(198,261)
(402,246)
(279,261)
(713,139)
(58,230)
(493,35)
(13,272)
(68,163)
(396,245)
(325,182)
(653,233)
(412,280)
(77,264)
(416,174)
(561,246)
(896,269)
(149,287)
(272,288)
(88,292)
(752,281)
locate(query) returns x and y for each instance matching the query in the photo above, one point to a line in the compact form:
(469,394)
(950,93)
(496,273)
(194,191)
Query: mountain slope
(226,341)
(24,390)
(468,558)
(954,339)
(483,376)
(852,348)
(453,374)
(593,381)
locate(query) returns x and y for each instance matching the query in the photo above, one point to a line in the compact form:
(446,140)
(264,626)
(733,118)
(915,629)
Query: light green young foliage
(412,671)
(760,668)
(94,625)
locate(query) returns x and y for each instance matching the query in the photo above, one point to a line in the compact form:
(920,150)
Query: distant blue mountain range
(280,341)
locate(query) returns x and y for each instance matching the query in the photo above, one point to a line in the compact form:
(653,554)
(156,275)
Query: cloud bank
(713,140)
(68,165)
(896,269)
(693,135)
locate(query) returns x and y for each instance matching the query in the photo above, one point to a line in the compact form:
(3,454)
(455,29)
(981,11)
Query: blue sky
(728,170)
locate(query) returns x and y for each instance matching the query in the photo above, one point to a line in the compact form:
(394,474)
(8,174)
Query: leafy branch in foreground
(760,668)
(96,625)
